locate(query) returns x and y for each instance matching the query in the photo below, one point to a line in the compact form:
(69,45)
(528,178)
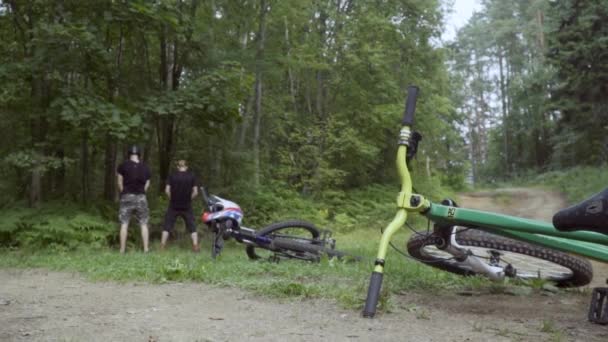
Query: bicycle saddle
(591,214)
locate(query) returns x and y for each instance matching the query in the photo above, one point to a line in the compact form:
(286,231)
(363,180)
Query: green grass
(576,183)
(356,218)
(344,282)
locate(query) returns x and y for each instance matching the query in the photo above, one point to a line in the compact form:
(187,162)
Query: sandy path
(36,305)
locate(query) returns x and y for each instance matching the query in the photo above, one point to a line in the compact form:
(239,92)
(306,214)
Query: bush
(56,227)
(576,183)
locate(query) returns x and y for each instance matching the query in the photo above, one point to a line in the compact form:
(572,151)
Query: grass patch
(353,216)
(343,282)
(548,326)
(576,183)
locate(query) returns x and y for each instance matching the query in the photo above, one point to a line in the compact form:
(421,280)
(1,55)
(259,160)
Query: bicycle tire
(579,271)
(314,252)
(217,244)
(276,228)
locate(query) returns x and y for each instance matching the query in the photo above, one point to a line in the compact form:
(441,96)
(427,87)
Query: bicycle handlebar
(410,106)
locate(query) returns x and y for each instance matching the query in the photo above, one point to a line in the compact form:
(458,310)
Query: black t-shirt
(181,183)
(134,177)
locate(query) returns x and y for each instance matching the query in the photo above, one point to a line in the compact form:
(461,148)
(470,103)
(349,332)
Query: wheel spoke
(527,266)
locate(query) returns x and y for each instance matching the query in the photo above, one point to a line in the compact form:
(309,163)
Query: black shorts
(173,214)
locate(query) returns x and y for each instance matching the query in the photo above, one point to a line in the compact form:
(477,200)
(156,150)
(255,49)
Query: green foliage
(213,97)
(57,227)
(577,183)
(533,76)
(96,115)
(80,81)
(579,40)
(370,207)
(32,160)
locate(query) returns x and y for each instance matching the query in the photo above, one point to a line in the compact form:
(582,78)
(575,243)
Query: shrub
(57,227)
(576,183)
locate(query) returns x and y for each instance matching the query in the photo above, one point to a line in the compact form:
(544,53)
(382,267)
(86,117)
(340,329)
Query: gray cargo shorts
(133,204)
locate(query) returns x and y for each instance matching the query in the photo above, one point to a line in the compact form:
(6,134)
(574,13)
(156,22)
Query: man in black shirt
(133,182)
(181,188)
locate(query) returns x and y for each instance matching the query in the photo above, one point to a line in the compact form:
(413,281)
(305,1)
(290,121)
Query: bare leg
(163,239)
(144,236)
(123,237)
(195,246)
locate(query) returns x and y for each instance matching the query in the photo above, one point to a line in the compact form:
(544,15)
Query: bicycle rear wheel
(303,250)
(529,261)
(296,230)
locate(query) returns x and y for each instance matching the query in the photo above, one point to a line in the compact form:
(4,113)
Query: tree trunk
(258,91)
(35,187)
(320,94)
(540,18)
(257,128)
(111,147)
(505,120)
(59,187)
(165,123)
(246,122)
(84,164)
(290,77)
(109,187)
(320,98)
(164,129)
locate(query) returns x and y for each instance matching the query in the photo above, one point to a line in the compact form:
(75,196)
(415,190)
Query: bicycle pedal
(598,309)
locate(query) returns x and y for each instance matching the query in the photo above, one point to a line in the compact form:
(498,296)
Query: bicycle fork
(375,284)
(405,201)
(465,256)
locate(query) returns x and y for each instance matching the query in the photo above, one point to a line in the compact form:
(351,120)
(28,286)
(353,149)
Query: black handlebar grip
(410,106)
(373,294)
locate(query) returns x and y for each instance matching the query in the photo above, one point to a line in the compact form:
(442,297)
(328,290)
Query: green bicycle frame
(585,243)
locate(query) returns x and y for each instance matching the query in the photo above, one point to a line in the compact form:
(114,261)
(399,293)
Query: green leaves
(97,116)
(213,97)
(579,50)
(32,160)
(84,78)
(54,228)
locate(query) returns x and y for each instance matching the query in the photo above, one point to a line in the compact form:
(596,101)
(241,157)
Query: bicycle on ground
(293,239)
(473,242)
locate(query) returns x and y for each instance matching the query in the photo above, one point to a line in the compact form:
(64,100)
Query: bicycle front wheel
(217,243)
(528,261)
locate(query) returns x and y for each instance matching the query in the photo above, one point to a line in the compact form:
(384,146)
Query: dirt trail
(36,305)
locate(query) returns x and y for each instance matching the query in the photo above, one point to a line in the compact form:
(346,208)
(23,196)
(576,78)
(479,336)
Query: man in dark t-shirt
(181,188)
(133,182)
